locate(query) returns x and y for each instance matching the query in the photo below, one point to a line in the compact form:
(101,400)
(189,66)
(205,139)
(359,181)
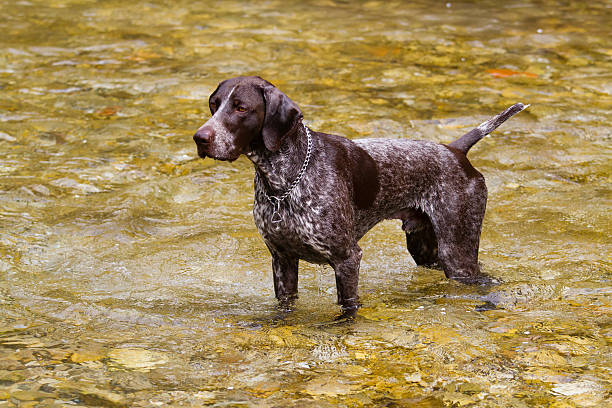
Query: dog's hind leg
(420,238)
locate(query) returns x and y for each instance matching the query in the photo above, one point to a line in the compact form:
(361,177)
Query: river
(131,273)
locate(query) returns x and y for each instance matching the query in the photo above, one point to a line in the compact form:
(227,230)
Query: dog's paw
(481,279)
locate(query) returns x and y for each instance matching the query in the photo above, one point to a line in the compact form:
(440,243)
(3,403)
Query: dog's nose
(204,135)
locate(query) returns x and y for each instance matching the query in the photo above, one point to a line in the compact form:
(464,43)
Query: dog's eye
(213,106)
(241,109)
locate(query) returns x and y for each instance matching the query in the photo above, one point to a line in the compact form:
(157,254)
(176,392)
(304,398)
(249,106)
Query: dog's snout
(204,135)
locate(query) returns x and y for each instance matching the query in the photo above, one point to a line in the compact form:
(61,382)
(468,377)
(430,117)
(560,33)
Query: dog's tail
(470,138)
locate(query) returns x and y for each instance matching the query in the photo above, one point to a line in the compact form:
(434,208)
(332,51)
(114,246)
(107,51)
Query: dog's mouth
(201,150)
(204,152)
(228,158)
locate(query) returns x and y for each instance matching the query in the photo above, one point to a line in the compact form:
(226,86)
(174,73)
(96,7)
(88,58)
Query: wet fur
(348,187)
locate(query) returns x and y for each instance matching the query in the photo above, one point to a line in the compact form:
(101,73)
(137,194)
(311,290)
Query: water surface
(131,273)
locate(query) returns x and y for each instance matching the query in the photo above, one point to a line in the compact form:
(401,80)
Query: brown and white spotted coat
(348,187)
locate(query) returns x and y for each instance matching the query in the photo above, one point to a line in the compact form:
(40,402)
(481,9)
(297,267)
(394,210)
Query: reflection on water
(132,273)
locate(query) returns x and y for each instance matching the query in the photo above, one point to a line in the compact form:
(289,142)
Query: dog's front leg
(347,279)
(285,274)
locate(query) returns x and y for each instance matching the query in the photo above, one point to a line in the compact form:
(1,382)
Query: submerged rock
(137,359)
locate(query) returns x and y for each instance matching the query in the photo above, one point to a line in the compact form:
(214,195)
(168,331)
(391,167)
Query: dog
(317,194)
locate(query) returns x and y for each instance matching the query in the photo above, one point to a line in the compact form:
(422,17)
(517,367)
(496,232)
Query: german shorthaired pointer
(317,194)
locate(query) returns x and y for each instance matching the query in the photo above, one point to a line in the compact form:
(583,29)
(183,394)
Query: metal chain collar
(276,200)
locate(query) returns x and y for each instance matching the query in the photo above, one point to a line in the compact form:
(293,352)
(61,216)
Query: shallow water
(132,274)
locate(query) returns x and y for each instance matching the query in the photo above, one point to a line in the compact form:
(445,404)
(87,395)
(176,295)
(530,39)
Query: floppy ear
(281,116)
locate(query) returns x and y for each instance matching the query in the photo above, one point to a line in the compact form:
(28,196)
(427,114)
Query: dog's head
(246,112)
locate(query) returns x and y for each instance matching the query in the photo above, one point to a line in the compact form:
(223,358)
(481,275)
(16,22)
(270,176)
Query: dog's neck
(277,170)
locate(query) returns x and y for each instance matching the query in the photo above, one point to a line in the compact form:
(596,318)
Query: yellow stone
(413,377)
(443,335)
(561,404)
(285,336)
(277,340)
(22,342)
(509,333)
(85,355)
(329,385)
(205,395)
(545,358)
(137,359)
(578,62)
(458,399)
(354,370)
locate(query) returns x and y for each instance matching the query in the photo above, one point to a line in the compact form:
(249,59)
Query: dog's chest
(295,225)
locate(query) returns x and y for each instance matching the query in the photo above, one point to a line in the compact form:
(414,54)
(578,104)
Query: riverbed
(131,273)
